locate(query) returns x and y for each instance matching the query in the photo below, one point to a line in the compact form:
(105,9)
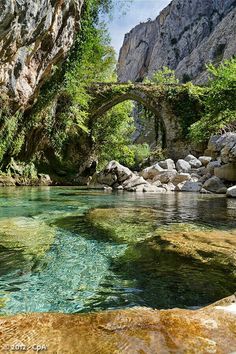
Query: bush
(220,102)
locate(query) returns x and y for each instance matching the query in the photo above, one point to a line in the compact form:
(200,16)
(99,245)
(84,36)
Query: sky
(138,11)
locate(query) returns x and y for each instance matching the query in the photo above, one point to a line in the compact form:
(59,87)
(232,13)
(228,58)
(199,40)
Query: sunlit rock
(208,330)
(183,166)
(193,161)
(205,160)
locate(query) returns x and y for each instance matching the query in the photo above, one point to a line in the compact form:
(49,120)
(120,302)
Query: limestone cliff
(34,36)
(185,36)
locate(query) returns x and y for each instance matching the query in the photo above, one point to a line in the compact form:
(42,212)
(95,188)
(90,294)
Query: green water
(71,250)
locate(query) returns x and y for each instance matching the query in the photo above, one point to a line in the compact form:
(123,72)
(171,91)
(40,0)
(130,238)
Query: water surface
(71,250)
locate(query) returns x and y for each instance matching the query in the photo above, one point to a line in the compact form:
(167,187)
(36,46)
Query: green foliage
(220,102)
(164,76)
(112,132)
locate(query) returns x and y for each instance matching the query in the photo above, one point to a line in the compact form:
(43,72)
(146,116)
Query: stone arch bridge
(159,99)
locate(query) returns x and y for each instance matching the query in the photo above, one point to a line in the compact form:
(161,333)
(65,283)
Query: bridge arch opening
(153,117)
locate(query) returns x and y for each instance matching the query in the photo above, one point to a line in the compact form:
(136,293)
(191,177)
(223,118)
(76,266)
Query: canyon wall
(185,36)
(34,36)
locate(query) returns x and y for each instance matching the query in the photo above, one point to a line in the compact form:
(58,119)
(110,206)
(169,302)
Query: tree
(220,102)
(163,76)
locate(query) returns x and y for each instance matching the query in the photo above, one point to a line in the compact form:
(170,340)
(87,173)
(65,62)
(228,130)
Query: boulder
(195,177)
(181,177)
(44,179)
(107,189)
(205,160)
(231,192)
(107,179)
(226,172)
(169,187)
(165,176)
(204,191)
(215,185)
(211,166)
(183,166)
(119,188)
(152,171)
(202,171)
(157,183)
(167,164)
(223,145)
(193,161)
(189,186)
(133,181)
(122,173)
(206,330)
(204,178)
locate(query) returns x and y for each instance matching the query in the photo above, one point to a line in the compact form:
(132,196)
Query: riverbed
(72,250)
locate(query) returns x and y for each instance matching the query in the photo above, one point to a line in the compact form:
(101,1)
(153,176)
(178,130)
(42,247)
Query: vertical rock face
(34,36)
(185,36)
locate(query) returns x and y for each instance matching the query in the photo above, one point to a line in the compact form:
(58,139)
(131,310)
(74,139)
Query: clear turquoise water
(53,259)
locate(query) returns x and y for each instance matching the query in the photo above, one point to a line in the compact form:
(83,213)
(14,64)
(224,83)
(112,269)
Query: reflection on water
(72,250)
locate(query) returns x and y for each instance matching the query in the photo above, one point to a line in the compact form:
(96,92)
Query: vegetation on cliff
(219,102)
(57,132)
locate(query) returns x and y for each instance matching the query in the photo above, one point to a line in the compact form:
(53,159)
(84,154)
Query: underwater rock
(33,237)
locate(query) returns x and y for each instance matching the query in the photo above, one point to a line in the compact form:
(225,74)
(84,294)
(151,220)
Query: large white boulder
(167,164)
(183,166)
(152,171)
(193,161)
(119,170)
(165,176)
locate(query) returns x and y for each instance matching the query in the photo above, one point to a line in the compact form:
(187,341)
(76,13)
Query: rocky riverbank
(215,172)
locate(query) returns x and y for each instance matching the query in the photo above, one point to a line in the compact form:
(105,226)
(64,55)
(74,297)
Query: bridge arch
(133,96)
(106,96)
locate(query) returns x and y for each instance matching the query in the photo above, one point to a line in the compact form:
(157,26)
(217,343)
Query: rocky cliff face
(34,36)
(185,36)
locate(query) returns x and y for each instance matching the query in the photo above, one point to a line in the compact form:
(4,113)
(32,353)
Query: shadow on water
(167,279)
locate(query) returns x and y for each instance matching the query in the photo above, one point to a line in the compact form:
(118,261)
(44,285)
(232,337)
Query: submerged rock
(33,237)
